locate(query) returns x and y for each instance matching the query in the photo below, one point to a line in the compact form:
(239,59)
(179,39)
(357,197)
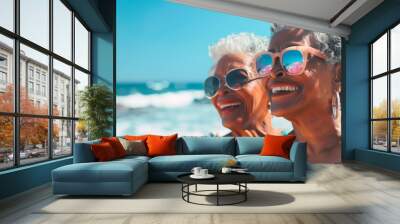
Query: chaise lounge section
(125,176)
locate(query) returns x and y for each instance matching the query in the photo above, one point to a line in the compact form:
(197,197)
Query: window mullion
(16,84)
(389,104)
(50,81)
(371,98)
(73,82)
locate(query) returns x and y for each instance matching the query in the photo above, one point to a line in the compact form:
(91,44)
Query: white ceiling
(321,9)
(318,15)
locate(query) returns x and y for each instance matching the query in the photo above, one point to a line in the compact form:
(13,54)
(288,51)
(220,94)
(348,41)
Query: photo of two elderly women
(296,75)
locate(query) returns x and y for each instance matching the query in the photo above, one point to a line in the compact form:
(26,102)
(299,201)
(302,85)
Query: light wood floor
(378,188)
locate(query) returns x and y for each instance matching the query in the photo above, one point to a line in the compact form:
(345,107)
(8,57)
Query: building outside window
(3,78)
(37,75)
(30,87)
(30,72)
(3,72)
(3,81)
(38,89)
(44,77)
(3,61)
(43,90)
(55,98)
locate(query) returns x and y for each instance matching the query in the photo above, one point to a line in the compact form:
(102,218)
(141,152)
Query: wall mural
(248,79)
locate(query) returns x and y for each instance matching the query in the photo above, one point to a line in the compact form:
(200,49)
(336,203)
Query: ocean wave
(165,100)
(158,86)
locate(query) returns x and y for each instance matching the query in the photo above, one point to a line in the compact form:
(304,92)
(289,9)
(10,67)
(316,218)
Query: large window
(44,64)
(385,91)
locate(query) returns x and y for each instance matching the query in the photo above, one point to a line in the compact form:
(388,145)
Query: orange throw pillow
(277,145)
(161,145)
(116,145)
(103,152)
(136,137)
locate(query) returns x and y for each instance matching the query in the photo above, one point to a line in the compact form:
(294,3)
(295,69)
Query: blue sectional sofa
(125,176)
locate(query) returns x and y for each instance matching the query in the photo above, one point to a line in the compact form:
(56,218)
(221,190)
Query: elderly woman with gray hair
(236,90)
(303,73)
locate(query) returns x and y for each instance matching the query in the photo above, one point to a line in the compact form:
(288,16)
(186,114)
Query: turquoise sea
(169,107)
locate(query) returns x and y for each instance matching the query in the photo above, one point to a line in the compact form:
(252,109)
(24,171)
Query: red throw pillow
(103,152)
(277,145)
(116,145)
(161,145)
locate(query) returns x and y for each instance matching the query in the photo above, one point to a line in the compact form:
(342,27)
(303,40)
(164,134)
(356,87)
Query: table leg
(182,189)
(188,190)
(217,194)
(245,193)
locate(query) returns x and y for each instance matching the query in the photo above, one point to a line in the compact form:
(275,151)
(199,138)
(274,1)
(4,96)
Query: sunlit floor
(379,190)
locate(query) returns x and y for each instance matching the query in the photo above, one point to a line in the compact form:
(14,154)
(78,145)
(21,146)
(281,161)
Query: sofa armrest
(83,152)
(298,155)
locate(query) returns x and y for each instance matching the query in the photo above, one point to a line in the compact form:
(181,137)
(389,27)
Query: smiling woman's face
(239,109)
(292,93)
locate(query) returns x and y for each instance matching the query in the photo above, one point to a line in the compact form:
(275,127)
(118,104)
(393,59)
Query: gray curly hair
(330,44)
(247,43)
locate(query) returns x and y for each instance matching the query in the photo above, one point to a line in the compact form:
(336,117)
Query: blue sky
(159,40)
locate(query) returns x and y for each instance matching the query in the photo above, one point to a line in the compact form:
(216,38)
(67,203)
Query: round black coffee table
(238,179)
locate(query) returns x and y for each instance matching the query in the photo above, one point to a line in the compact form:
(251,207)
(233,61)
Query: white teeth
(223,106)
(284,88)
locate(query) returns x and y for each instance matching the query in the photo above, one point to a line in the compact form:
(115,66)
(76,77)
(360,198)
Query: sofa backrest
(206,145)
(83,152)
(249,145)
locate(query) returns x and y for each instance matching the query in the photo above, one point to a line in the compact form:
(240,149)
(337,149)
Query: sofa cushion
(112,171)
(185,163)
(257,163)
(132,158)
(206,145)
(249,145)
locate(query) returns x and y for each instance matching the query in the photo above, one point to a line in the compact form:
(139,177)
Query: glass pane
(395,47)
(379,55)
(395,136)
(62,138)
(81,131)
(62,89)
(62,29)
(35,21)
(34,81)
(6,142)
(379,135)
(6,74)
(81,81)
(81,45)
(7,14)
(33,139)
(379,98)
(395,94)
